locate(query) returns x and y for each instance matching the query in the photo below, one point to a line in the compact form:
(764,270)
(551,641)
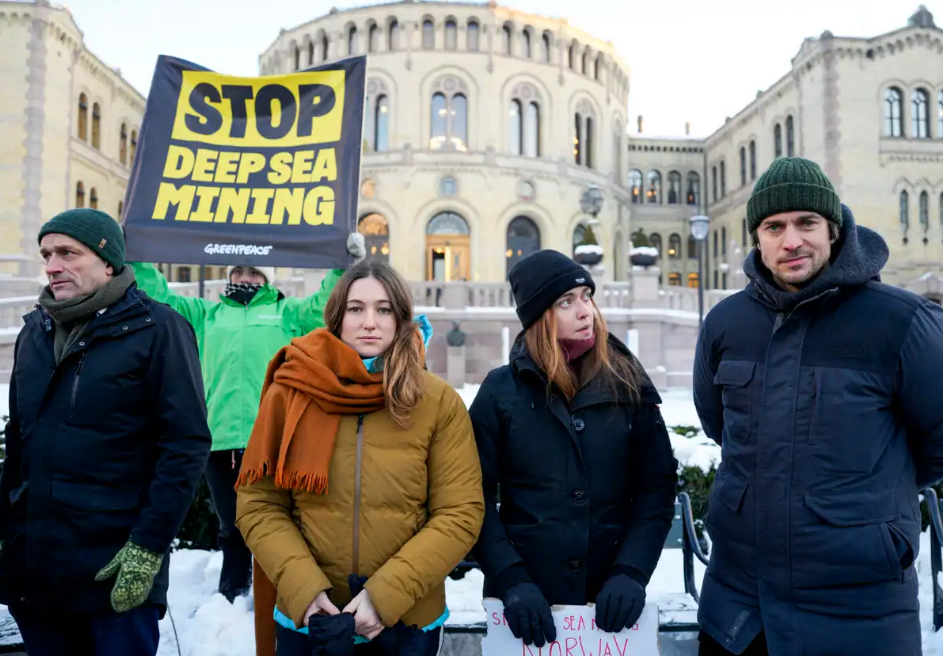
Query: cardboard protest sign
(253,171)
(577,634)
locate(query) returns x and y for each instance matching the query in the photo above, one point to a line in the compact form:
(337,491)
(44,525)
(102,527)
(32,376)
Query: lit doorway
(448,248)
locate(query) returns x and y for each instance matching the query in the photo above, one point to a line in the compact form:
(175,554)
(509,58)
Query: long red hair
(547,353)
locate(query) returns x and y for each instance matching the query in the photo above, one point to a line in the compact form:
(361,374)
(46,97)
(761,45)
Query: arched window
(296,56)
(376,236)
(597,67)
(714,192)
(472,36)
(93,199)
(352,40)
(584,137)
(939,114)
(693,281)
(790,140)
(96,125)
(919,110)
(571,56)
(428,34)
(447,223)
(526,52)
(134,144)
(532,129)
(635,185)
(325,48)
(655,240)
(392,43)
(778,141)
(506,39)
(674,188)
(523,239)
(578,139)
(743,166)
(123,144)
(83,117)
(925,214)
(693,194)
(79,195)
(516,128)
(653,187)
(449,117)
(310,53)
(723,180)
(904,213)
(545,50)
(692,247)
(585,66)
(674,279)
(381,136)
(451,34)
(752,161)
(674,246)
(373,38)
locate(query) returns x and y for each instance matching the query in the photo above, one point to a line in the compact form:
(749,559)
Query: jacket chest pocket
(736,379)
(850,420)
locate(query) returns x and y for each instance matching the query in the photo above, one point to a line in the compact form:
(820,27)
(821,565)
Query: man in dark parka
(105,447)
(821,384)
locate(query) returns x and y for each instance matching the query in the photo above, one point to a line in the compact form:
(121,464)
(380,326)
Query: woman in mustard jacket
(354,438)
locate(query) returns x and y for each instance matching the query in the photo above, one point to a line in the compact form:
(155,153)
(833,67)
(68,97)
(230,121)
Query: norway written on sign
(577,634)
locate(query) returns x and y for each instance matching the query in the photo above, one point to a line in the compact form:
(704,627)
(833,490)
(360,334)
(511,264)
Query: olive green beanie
(94,228)
(792,184)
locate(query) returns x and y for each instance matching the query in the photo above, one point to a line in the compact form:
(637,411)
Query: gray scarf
(73,315)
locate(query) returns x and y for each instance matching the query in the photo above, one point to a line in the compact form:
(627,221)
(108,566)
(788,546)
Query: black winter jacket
(106,446)
(586,488)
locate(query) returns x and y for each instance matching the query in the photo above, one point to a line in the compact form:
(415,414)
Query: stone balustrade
(659,323)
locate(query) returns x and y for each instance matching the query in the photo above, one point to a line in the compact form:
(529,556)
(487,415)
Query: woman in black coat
(571,432)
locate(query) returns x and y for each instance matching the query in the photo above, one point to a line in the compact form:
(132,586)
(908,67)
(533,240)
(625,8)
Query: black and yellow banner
(256,171)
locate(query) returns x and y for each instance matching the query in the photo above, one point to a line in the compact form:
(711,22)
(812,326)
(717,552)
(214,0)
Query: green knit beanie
(94,228)
(792,184)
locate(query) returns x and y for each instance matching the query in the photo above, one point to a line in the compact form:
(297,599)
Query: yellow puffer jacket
(403,507)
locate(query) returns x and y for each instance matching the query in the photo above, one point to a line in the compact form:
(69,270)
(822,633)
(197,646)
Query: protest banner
(255,171)
(577,634)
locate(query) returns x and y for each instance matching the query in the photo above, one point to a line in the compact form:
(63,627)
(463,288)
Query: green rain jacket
(236,343)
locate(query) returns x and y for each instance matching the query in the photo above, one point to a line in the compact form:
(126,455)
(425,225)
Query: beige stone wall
(15,29)
(403,181)
(45,70)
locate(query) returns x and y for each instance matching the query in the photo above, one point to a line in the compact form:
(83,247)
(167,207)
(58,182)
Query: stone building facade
(870,112)
(484,127)
(70,126)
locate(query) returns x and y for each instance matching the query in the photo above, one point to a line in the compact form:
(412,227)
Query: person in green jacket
(237,337)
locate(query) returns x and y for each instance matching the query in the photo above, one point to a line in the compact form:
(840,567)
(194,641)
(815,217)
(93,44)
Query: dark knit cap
(540,279)
(793,184)
(94,228)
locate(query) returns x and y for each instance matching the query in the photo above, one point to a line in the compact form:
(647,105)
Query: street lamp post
(700,226)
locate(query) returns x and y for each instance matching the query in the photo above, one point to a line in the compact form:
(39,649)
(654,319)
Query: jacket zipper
(75,384)
(355,568)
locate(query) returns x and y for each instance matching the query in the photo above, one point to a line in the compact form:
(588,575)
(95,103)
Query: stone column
(645,296)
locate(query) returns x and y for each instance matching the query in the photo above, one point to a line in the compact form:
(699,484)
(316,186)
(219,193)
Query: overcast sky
(691,60)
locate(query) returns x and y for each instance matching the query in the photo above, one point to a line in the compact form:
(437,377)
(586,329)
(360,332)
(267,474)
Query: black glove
(397,640)
(619,604)
(331,635)
(528,614)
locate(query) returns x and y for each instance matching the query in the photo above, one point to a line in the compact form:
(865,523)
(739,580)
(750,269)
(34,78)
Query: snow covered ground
(202,623)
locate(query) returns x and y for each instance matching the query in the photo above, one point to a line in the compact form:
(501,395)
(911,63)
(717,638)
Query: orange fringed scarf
(326,377)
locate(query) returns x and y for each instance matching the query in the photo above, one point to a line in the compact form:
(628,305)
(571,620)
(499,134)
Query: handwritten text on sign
(577,634)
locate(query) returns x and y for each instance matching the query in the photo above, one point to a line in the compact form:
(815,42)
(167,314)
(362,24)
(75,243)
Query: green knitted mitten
(135,568)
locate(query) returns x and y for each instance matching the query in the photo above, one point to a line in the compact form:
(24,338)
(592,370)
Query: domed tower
(483,129)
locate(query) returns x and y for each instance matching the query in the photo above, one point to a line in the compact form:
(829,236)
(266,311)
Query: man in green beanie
(821,385)
(105,447)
